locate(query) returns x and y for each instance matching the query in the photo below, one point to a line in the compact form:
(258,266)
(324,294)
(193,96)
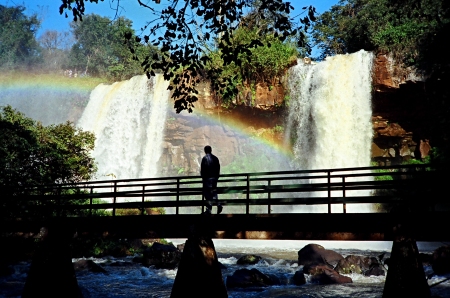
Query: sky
(48,10)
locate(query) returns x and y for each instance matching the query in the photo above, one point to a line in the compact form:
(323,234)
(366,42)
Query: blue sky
(48,10)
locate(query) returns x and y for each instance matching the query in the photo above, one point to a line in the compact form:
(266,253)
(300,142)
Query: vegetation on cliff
(260,65)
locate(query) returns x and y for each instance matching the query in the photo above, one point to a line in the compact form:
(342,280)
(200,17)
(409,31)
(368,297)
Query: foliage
(33,154)
(98,247)
(18,45)
(261,64)
(100,49)
(135,211)
(54,50)
(184,31)
(384,177)
(156,210)
(402,27)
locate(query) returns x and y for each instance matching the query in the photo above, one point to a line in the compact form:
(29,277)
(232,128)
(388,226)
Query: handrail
(328,186)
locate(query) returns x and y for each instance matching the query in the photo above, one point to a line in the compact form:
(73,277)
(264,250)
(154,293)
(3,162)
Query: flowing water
(329,127)
(128,120)
(279,258)
(329,122)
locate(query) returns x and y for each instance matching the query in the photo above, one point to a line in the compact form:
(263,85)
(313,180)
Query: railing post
(329,191)
(60,202)
(114,199)
(268,195)
(90,202)
(247,207)
(344,206)
(143,199)
(178,196)
(203,198)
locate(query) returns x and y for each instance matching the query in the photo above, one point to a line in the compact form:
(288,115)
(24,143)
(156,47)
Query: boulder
(361,265)
(248,260)
(323,275)
(88,265)
(249,278)
(165,256)
(441,260)
(299,278)
(314,254)
(5,269)
(348,266)
(375,270)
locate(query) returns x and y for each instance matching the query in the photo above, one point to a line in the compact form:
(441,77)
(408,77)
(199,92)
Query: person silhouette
(210,172)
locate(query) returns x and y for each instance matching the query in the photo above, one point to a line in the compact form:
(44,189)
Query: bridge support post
(199,273)
(51,273)
(405,277)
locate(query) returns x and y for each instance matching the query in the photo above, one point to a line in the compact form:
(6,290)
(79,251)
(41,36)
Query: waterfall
(330,112)
(128,120)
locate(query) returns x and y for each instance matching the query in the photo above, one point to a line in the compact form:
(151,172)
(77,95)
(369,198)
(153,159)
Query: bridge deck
(311,226)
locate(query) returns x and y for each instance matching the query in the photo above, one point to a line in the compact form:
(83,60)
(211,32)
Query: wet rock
(426,259)
(121,264)
(314,254)
(348,266)
(245,278)
(5,270)
(441,260)
(299,278)
(361,265)
(180,247)
(375,270)
(165,256)
(323,275)
(248,260)
(88,265)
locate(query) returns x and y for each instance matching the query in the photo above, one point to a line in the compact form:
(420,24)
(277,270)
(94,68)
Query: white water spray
(330,113)
(128,120)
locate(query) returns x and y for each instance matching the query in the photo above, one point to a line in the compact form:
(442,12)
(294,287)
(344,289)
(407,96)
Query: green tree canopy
(182,28)
(34,154)
(18,45)
(407,29)
(101,50)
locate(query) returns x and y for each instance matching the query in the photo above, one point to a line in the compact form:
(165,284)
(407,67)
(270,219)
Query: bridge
(269,205)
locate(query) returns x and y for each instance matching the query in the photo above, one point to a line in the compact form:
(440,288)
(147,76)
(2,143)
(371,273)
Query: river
(279,257)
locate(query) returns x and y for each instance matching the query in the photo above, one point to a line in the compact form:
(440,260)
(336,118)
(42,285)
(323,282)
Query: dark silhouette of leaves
(184,31)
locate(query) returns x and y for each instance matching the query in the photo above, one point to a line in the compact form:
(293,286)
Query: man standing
(210,172)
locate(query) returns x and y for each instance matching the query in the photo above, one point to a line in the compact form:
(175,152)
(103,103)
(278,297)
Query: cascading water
(330,113)
(128,120)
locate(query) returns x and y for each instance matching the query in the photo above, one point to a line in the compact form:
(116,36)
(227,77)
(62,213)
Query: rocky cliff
(400,112)
(398,126)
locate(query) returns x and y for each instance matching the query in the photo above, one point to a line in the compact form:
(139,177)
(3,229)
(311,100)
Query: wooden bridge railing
(264,192)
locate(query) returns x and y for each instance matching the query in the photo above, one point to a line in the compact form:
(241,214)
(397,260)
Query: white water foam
(330,116)
(128,120)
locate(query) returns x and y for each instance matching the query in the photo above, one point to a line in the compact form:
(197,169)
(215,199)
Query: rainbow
(265,136)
